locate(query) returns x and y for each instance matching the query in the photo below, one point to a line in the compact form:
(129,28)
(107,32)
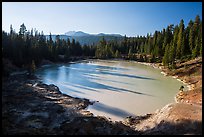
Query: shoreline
(190,86)
(85,113)
(39,108)
(185,110)
(163,70)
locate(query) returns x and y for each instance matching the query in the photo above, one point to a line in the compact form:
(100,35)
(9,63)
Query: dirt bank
(176,119)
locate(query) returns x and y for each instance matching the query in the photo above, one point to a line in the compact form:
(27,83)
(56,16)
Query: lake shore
(187,109)
(193,82)
(42,109)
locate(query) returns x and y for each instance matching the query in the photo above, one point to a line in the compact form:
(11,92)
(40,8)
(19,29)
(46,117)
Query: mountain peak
(81,33)
(76,33)
(103,34)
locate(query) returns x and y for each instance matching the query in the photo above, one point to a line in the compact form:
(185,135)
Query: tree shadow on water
(127,75)
(111,110)
(91,85)
(88,84)
(107,70)
(95,77)
(80,79)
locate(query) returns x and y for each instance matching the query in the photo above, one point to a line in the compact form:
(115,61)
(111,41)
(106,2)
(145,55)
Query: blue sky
(125,18)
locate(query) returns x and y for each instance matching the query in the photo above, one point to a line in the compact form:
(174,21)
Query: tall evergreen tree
(180,42)
(165,59)
(22,30)
(194,33)
(196,50)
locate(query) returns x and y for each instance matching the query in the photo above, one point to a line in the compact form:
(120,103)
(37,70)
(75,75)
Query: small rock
(34,85)
(187,101)
(29,85)
(86,120)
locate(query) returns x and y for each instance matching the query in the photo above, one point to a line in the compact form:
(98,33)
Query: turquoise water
(121,88)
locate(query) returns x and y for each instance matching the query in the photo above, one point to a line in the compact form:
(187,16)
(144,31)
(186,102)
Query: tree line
(25,46)
(167,46)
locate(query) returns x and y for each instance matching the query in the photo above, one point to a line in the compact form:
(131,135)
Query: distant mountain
(85,38)
(65,37)
(81,33)
(76,33)
(102,34)
(89,40)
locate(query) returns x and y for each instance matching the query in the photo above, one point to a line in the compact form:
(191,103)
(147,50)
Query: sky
(125,18)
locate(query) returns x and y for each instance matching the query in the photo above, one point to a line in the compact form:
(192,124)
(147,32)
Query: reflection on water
(122,88)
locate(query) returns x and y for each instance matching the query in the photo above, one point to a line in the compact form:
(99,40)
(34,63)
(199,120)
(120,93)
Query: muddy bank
(30,107)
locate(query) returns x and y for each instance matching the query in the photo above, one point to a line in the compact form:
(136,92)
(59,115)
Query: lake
(121,88)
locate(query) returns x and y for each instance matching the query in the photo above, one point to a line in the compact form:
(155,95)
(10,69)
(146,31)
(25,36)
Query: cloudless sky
(125,18)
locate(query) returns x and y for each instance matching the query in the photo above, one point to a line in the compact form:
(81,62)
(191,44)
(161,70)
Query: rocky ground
(173,119)
(30,107)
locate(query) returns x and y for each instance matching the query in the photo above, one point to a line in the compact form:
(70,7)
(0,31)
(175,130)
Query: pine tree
(22,30)
(196,24)
(108,52)
(187,37)
(103,41)
(167,37)
(180,41)
(172,54)
(195,50)
(11,30)
(150,45)
(197,29)
(117,54)
(201,49)
(33,67)
(130,55)
(194,32)
(200,38)
(165,59)
(191,39)
(124,43)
